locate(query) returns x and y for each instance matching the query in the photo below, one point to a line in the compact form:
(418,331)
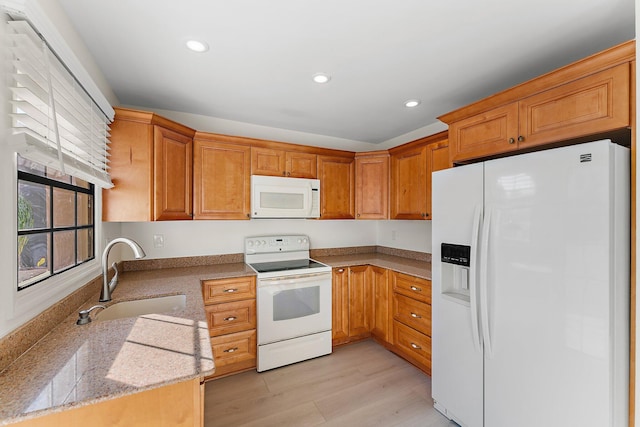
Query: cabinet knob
(341,270)
(284,173)
(231,350)
(230,291)
(416,289)
(521,138)
(416,346)
(232,318)
(288,173)
(358,215)
(414,315)
(512,141)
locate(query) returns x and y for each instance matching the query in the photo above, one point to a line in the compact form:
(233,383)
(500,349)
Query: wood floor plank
(360,384)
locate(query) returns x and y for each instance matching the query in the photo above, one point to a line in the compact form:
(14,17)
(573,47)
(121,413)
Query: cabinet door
(265,161)
(337,187)
(173,183)
(437,159)
(409,184)
(359,302)
(492,132)
(590,105)
(222,180)
(372,187)
(301,165)
(340,306)
(381,319)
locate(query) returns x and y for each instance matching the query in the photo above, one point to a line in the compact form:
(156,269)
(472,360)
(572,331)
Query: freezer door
(551,290)
(456,352)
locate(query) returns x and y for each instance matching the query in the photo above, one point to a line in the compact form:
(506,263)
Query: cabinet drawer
(226,290)
(412,313)
(412,343)
(231,317)
(412,287)
(233,348)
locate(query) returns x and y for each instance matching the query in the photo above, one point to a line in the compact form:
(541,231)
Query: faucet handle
(84,318)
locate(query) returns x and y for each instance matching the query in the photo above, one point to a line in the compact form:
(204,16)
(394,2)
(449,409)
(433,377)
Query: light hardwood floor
(360,384)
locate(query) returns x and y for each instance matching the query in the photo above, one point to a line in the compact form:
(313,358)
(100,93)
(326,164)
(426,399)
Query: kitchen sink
(142,306)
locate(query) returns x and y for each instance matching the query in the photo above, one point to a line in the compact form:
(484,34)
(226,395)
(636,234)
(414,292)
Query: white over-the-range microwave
(281,197)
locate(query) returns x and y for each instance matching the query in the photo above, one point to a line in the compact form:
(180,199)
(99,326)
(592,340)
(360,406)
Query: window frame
(50,184)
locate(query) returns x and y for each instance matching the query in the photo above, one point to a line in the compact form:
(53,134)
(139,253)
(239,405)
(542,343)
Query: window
(56,220)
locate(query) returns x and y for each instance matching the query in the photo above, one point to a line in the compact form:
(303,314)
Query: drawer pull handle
(230,318)
(416,346)
(232,290)
(416,316)
(233,350)
(416,289)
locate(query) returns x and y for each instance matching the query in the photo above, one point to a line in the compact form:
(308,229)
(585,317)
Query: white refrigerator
(531,270)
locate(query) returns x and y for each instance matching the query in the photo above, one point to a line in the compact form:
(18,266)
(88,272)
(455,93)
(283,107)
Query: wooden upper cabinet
(492,132)
(151,169)
(587,98)
(372,185)
(590,105)
(272,162)
(222,179)
(409,183)
(337,187)
(437,159)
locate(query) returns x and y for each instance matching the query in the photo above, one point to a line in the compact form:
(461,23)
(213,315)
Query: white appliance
(531,278)
(281,197)
(293,301)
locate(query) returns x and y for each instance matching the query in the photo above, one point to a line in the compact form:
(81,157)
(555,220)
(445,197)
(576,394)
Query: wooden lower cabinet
(412,319)
(340,306)
(359,302)
(381,318)
(230,305)
(180,404)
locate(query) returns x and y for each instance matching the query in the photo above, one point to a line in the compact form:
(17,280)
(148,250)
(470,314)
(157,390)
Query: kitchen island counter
(75,366)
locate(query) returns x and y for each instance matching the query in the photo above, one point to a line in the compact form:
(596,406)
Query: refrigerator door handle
(484,288)
(473,278)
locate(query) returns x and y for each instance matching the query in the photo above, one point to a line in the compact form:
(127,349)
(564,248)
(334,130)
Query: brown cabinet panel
(265,161)
(590,105)
(227,290)
(301,165)
(337,187)
(381,319)
(234,348)
(413,345)
(412,287)
(372,187)
(340,306)
(231,317)
(437,159)
(412,313)
(150,163)
(409,183)
(359,302)
(493,132)
(173,154)
(222,180)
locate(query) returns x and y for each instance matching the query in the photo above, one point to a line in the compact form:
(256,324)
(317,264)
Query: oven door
(293,306)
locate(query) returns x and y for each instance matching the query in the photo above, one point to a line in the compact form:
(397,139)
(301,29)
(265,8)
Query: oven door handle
(299,278)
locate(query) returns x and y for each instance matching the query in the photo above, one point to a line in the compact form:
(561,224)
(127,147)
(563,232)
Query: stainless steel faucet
(108,287)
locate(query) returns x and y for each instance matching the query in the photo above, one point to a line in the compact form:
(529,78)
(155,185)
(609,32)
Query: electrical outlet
(158,241)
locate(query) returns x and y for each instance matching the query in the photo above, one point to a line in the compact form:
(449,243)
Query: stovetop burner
(298,264)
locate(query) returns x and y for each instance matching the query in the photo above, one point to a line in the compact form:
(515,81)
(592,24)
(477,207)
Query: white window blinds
(55,122)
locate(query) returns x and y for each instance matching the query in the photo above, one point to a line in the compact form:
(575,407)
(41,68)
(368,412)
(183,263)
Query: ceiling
(379,53)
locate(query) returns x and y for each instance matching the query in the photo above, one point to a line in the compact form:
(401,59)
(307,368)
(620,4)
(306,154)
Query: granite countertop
(80,365)
(409,266)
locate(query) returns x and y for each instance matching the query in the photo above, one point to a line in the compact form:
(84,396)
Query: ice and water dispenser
(455,271)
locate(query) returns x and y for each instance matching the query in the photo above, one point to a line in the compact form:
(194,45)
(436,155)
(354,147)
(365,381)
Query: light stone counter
(79,365)
(413,267)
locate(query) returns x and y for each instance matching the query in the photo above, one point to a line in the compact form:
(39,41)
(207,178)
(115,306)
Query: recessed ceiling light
(197,46)
(412,103)
(321,78)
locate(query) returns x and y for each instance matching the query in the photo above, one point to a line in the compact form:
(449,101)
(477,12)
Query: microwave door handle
(310,199)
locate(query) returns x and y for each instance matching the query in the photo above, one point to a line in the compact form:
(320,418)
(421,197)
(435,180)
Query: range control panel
(279,243)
